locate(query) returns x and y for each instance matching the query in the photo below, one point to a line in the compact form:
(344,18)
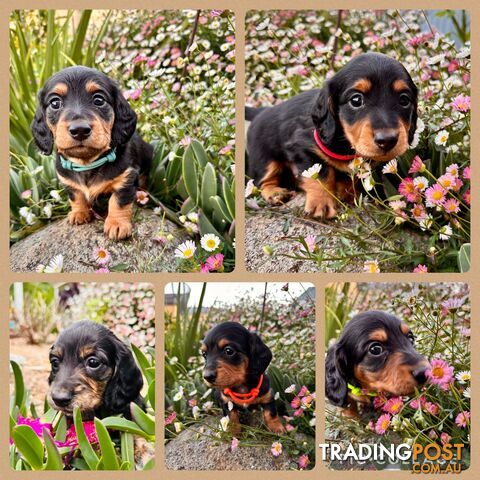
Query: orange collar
(244,397)
(329,153)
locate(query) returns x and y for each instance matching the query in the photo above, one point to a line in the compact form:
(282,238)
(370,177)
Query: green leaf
(144,421)
(199,152)
(109,456)
(190,174)
(87,450)
(221,208)
(149,465)
(464,258)
(128,451)
(54,459)
(29,445)
(228,197)
(124,425)
(144,364)
(20,394)
(151,394)
(209,187)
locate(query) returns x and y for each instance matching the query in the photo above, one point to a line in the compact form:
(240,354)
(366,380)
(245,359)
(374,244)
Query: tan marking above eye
(222,343)
(363,85)
(400,85)
(56,352)
(405,329)
(92,87)
(86,351)
(60,89)
(379,335)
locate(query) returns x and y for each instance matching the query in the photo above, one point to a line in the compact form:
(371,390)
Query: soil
(33,359)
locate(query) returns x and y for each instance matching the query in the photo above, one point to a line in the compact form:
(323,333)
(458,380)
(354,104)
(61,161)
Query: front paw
(277,428)
(323,207)
(117,229)
(277,195)
(79,217)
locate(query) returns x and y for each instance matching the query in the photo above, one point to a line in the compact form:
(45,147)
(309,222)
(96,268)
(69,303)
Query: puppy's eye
(376,348)
(204,354)
(99,100)
(55,364)
(229,351)
(56,103)
(356,101)
(93,362)
(404,100)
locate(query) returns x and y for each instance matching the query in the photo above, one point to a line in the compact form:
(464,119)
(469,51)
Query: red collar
(244,397)
(329,153)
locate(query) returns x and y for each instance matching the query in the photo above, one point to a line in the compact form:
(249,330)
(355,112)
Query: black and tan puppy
(93,370)
(374,354)
(368,109)
(235,364)
(82,113)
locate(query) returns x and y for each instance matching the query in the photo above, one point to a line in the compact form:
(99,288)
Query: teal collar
(358,392)
(111,156)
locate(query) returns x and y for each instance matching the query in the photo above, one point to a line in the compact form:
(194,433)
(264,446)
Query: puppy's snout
(420,375)
(386,138)
(80,130)
(209,375)
(62,398)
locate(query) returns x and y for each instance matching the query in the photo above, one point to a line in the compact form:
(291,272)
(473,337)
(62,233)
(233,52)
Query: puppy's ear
(413,121)
(323,115)
(336,376)
(126,383)
(125,121)
(260,355)
(41,133)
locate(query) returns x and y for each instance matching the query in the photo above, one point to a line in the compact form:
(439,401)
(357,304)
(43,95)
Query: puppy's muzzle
(62,397)
(209,375)
(80,130)
(386,138)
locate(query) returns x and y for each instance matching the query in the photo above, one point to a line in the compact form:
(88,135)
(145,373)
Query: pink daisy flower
(296,403)
(416,402)
(463,419)
(432,408)
(276,449)
(466,173)
(102,270)
(383,423)
(310,240)
(446,181)
(435,195)
(440,373)
(393,405)
(234,444)
(397,205)
(418,212)
(466,197)
(420,269)
(408,189)
(417,165)
(445,438)
(461,103)
(303,461)
(379,401)
(451,206)
(215,262)
(142,197)
(101,256)
(453,170)
(303,391)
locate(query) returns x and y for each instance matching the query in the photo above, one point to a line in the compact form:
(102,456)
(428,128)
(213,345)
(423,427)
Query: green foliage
(114,449)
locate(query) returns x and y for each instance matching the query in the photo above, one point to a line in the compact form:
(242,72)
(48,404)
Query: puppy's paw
(277,427)
(235,429)
(78,217)
(117,229)
(321,207)
(277,195)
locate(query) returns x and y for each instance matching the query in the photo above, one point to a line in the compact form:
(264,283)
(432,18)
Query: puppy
(235,364)
(82,113)
(93,370)
(368,109)
(374,354)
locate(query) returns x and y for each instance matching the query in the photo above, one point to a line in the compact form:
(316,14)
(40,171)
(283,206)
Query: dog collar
(244,397)
(357,391)
(329,153)
(110,157)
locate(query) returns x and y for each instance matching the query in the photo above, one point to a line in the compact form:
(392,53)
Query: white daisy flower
(24,212)
(185,250)
(210,242)
(466,392)
(55,265)
(445,232)
(390,167)
(441,138)
(55,195)
(196,412)
(47,210)
(224,421)
(291,388)
(421,183)
(312,172)
(463,376)
(249,188)
(193,217)
(371,266)
(179,395)
(178,427)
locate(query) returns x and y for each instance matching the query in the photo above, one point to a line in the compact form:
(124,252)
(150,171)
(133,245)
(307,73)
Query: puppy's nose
(386,138)
(80,130)
(62,398)
(209,375)
(420,375)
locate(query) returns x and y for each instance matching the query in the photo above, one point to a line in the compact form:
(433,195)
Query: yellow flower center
(187,253)
(437,195)
(385,424)
(438,372)
(101,254)
(210,243)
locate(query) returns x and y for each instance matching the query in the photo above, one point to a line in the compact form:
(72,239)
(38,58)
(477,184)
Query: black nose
(80,130)
(420,375)
(386,139)
(62,398)
(209,375)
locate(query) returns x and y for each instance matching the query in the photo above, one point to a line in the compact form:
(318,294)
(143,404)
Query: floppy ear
(323,115)
(413,122)
(125,121)
(260,355)
(41,133)
(127,381)
(335,376)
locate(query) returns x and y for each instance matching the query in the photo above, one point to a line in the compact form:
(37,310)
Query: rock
(140,253)
(194,450)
